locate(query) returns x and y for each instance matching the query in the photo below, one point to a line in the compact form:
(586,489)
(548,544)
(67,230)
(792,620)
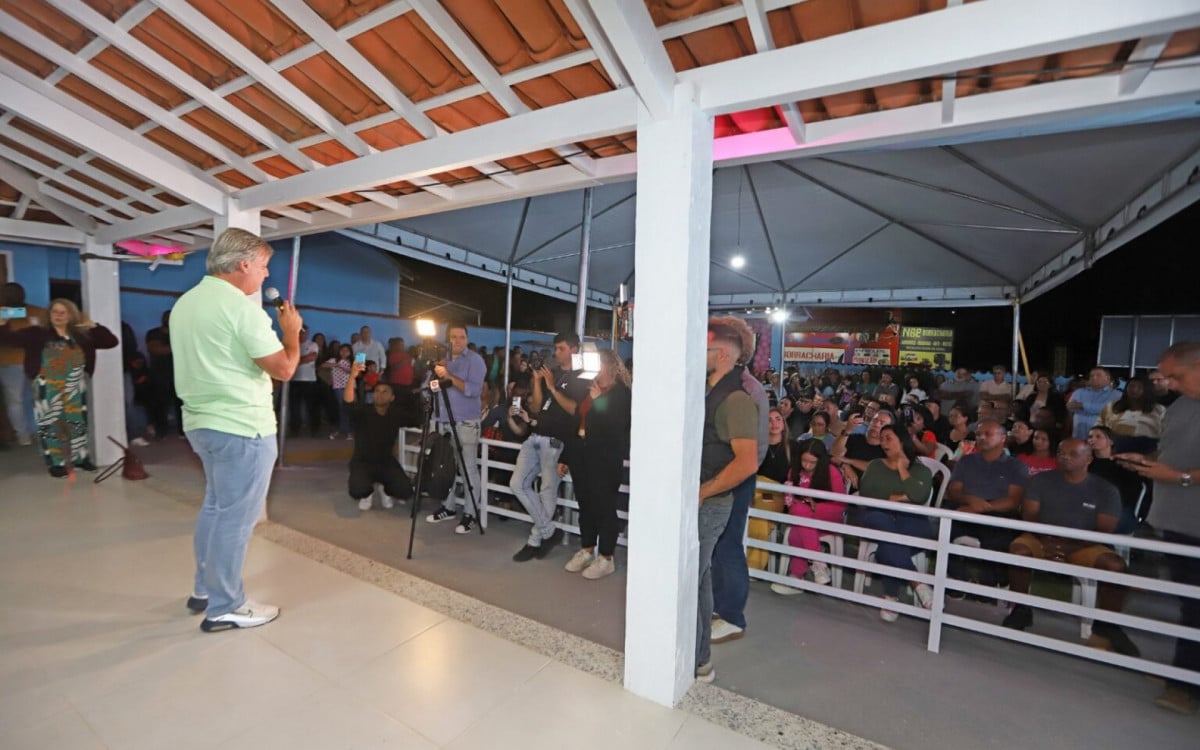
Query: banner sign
(831,354)
(872,356)
(929,346)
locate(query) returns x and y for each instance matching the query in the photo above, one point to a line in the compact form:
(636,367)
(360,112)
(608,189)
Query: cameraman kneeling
(375,428)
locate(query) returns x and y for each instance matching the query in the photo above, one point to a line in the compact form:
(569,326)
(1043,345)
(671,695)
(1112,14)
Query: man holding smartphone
(1176,508)
(551,417)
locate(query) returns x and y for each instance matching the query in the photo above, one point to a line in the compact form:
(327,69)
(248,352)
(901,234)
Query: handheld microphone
(272,296)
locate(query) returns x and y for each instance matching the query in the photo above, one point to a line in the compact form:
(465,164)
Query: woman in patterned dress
(59,359)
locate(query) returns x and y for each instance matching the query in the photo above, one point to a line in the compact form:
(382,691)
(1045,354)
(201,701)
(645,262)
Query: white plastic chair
(867,548)
(943,453)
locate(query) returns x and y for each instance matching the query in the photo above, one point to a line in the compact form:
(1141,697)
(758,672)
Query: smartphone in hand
(360,358)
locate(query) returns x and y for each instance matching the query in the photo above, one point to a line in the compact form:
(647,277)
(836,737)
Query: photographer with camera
(551,416)
(460,377)
(376,426)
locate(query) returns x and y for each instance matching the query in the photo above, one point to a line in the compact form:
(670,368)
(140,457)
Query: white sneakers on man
(249,615)
(365,503)
(600,567)
(582,559)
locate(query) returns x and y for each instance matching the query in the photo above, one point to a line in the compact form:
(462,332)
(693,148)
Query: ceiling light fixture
(780,315)
(737,261)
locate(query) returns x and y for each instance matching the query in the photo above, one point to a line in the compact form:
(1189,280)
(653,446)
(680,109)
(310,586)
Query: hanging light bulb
(737,261)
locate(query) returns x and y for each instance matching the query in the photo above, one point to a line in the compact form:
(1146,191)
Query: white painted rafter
(1141,61)
(631,32)
(582,13)
(33,99)
(48,173)
(21,206)
(163,221)
(121,39)
(27,184)
(93,75)
(755,81)
(40,231)
(222,42)
(760,32)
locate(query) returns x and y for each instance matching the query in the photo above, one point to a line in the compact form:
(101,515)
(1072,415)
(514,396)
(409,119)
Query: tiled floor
(98,651)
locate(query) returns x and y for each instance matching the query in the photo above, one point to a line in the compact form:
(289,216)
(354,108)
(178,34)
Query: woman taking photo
(596,457)
(811,470)
(901,478)
(56,359)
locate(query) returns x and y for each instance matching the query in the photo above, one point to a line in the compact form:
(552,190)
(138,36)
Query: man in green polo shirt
(225,357)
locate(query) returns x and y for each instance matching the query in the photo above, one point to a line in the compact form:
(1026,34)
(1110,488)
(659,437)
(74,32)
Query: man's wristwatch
(1185,479)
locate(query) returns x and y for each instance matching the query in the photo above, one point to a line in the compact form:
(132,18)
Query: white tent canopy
(975,222)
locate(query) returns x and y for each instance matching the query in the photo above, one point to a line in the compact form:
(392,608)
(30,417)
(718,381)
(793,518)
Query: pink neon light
(146,249)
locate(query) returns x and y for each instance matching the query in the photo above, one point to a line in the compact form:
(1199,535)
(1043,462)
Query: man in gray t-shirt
(1072,498)
(1176,508)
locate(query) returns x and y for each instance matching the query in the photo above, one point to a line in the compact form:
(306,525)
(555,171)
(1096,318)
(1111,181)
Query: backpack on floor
(439,470)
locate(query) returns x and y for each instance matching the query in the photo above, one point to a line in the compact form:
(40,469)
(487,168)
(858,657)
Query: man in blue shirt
(462,380)
(1086,403)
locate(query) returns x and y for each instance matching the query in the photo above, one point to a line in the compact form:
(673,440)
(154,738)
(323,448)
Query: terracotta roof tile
(112,9)
(31,153)
(234,178)
(273,113)
(168,38)
(1183,43)
(259,26)
(219,128)
(92,96)
(37,214)
(98,185)
(514,34)
(332,87)
(120,174)
(182,148)
(329,152)
(136,76)
(573,83)
(390,135)
(338,13)
(10,49)
(412,57)
(49,22)
(277,166)
(663,12)
(8,192)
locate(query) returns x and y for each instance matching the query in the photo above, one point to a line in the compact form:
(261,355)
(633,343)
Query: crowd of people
(1089,458)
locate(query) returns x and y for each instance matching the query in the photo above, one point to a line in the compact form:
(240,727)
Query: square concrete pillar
(100,275)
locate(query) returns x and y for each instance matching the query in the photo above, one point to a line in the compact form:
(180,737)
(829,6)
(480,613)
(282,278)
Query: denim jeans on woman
(237,472)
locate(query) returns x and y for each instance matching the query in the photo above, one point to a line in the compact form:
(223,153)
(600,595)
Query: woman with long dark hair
(1045,396)
(776,464)
(1136,418)
(1044,453)
(900,477)
(596,456)
(811,470)
(57,359)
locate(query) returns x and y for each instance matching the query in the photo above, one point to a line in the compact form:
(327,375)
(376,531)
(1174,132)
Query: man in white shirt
(367,343)
(304,389)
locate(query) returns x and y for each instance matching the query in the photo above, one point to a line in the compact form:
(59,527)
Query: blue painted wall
(334,273)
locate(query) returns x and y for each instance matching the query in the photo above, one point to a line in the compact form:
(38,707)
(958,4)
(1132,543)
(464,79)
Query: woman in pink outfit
(812,470)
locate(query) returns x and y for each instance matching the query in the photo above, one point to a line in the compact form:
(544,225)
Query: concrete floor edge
(738,713)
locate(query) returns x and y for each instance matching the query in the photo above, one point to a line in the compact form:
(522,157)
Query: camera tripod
(433,389)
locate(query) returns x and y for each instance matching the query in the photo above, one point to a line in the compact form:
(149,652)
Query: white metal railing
(939,544)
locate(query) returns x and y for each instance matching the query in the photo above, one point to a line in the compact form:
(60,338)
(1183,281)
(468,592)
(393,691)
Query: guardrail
(940,546)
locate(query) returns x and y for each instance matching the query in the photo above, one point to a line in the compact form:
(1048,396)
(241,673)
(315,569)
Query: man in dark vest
(729,454)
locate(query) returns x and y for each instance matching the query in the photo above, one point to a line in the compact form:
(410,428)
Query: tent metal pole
(1016,345)
(585,242)
(508,287)
(285,392)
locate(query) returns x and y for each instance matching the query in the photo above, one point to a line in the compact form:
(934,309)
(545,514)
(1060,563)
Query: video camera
(431,352)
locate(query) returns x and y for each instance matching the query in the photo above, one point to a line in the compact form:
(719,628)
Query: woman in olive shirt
(901,478)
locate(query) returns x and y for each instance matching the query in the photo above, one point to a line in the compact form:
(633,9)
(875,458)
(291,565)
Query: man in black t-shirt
(551,417)
(376,427)
(852,451)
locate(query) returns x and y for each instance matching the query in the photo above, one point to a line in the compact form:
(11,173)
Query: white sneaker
(820,573)
(581,560)
(365,503)
(705,673)
(783,590)
(888,615)
(137,442)
(924,595)
(724,632)
(249,615)
(386,501)
(600,567)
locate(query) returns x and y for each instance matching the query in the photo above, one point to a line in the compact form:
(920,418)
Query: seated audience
(914,393)
(938,424)
(1020,438)
(960,430)
(963,389)
(818,430)
(811,470)
(997,392)
(901,478)
(1044,396)
(854,452)
(915,420)
(1072,498)
(776,464)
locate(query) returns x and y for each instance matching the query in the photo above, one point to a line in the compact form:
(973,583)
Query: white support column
(235,217)
(100,275)
(674,208)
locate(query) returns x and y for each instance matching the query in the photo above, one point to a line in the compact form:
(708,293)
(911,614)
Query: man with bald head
(1071,497)
(1176,509)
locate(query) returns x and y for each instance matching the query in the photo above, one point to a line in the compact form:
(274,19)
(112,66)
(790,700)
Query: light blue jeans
(237,472)
(711,523)
(18,399)
(468,435)
(538,457)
